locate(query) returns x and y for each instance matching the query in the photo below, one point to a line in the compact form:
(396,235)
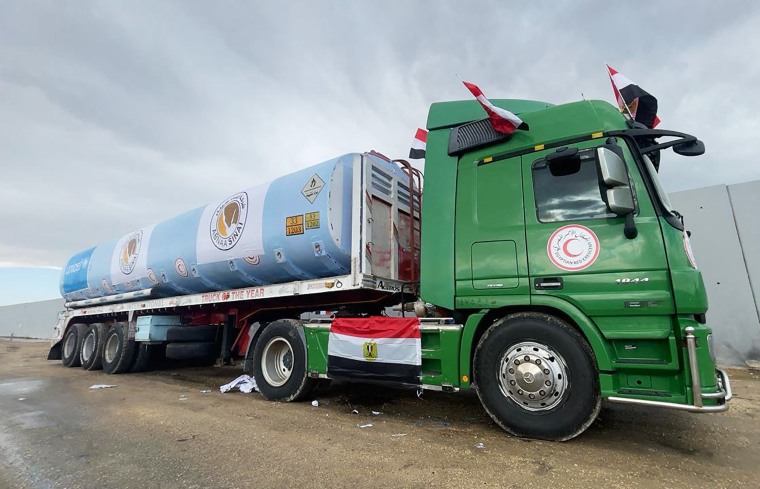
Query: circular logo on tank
(228,221)
(130,250)
(180,267)
(573,248)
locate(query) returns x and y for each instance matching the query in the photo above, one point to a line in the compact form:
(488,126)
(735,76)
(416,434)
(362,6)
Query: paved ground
(160,430)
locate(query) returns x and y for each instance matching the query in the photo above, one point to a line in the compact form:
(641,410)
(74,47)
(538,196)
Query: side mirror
(619,196)
(612,168)
(690,148)
(620,200)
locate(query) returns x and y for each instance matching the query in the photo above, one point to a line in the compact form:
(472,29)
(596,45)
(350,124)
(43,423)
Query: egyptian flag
(634,101)
(418,145)
(375,349)
(502,120)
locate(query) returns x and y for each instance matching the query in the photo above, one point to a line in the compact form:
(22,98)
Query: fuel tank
(295,227)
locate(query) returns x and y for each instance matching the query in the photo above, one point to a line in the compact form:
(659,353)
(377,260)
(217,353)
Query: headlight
(711,347)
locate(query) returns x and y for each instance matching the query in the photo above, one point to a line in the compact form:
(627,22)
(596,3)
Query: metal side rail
(724,385)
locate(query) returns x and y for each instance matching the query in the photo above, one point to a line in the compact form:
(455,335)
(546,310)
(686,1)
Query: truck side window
(569,190)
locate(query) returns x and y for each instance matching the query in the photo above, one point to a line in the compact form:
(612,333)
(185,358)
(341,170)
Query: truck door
(578,252)
(490,233)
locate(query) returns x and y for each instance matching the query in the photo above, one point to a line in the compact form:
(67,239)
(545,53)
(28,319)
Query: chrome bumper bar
(724,385)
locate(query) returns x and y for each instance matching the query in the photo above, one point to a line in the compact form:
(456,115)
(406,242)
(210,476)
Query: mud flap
(55,351)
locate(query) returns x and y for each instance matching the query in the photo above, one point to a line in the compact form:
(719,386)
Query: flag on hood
(375,348)
(633,100)
(418,145)
(502,120)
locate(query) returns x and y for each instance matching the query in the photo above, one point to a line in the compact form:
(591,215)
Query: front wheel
(536,377)
(279,362)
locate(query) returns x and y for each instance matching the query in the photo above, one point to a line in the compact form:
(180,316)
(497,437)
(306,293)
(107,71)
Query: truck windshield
(655,178)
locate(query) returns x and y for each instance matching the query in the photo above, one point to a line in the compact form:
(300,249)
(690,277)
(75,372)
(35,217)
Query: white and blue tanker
(296,227)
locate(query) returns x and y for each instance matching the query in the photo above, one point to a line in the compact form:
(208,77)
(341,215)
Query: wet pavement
(173,429)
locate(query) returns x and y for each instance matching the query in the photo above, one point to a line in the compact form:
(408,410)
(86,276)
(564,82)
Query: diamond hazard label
(312,188)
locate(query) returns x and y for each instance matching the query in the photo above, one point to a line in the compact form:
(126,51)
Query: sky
(117,115)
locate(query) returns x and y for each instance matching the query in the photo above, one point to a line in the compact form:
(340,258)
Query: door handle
(548,283)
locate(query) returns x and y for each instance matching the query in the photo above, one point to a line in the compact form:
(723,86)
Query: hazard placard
(312,220)
(293,225)
(312,188)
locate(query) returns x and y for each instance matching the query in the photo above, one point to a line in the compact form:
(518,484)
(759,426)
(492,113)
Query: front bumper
(722,397)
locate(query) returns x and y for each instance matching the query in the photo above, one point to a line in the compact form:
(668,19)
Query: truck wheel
(142,359)
(536,377)
(72,345)
(119,351)
(279,362)
(92,347)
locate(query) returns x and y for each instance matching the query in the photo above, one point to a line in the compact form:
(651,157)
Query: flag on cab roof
(502,120)
(418,145)
(633,100)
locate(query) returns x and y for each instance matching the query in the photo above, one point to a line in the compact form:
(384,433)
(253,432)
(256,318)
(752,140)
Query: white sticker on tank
(129,262)
(232,227)
(312,188)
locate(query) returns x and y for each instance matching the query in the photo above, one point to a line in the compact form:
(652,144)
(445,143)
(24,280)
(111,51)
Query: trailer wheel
(536,377)
(119,351)
(72,345)
(92,347)
(279,362)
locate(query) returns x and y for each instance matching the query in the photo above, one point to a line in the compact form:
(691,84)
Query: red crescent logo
(567,251)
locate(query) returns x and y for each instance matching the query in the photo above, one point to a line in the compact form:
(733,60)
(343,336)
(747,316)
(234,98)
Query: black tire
(143,358)
(119,352)
(511,363)
(177,334)
(187,351)
(279,362)
(72,345)
(91,351)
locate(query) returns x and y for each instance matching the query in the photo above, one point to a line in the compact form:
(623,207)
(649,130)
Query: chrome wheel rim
(112,346)
(88,347)
(277,362)
(533,376)
(69,345)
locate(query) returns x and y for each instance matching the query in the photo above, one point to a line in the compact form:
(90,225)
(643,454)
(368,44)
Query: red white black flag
(418,145)
(633,100)
(375,348)
(502,120)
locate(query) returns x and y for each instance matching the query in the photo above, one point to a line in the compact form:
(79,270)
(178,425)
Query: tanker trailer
(296,227)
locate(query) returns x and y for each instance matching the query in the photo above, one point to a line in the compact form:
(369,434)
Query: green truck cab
(559,252)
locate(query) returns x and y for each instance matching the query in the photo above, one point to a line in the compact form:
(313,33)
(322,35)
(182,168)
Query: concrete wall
(726,242)
(32,320)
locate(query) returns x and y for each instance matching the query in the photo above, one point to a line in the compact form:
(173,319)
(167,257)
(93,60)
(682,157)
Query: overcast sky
(116,115)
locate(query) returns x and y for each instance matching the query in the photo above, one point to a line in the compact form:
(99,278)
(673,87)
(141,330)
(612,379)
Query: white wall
(726,241)
(32,320)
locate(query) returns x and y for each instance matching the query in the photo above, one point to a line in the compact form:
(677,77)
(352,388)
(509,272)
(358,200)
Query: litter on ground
(245,383)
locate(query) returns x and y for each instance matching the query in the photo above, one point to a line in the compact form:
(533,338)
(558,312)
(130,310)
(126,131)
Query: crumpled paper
(245,383)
